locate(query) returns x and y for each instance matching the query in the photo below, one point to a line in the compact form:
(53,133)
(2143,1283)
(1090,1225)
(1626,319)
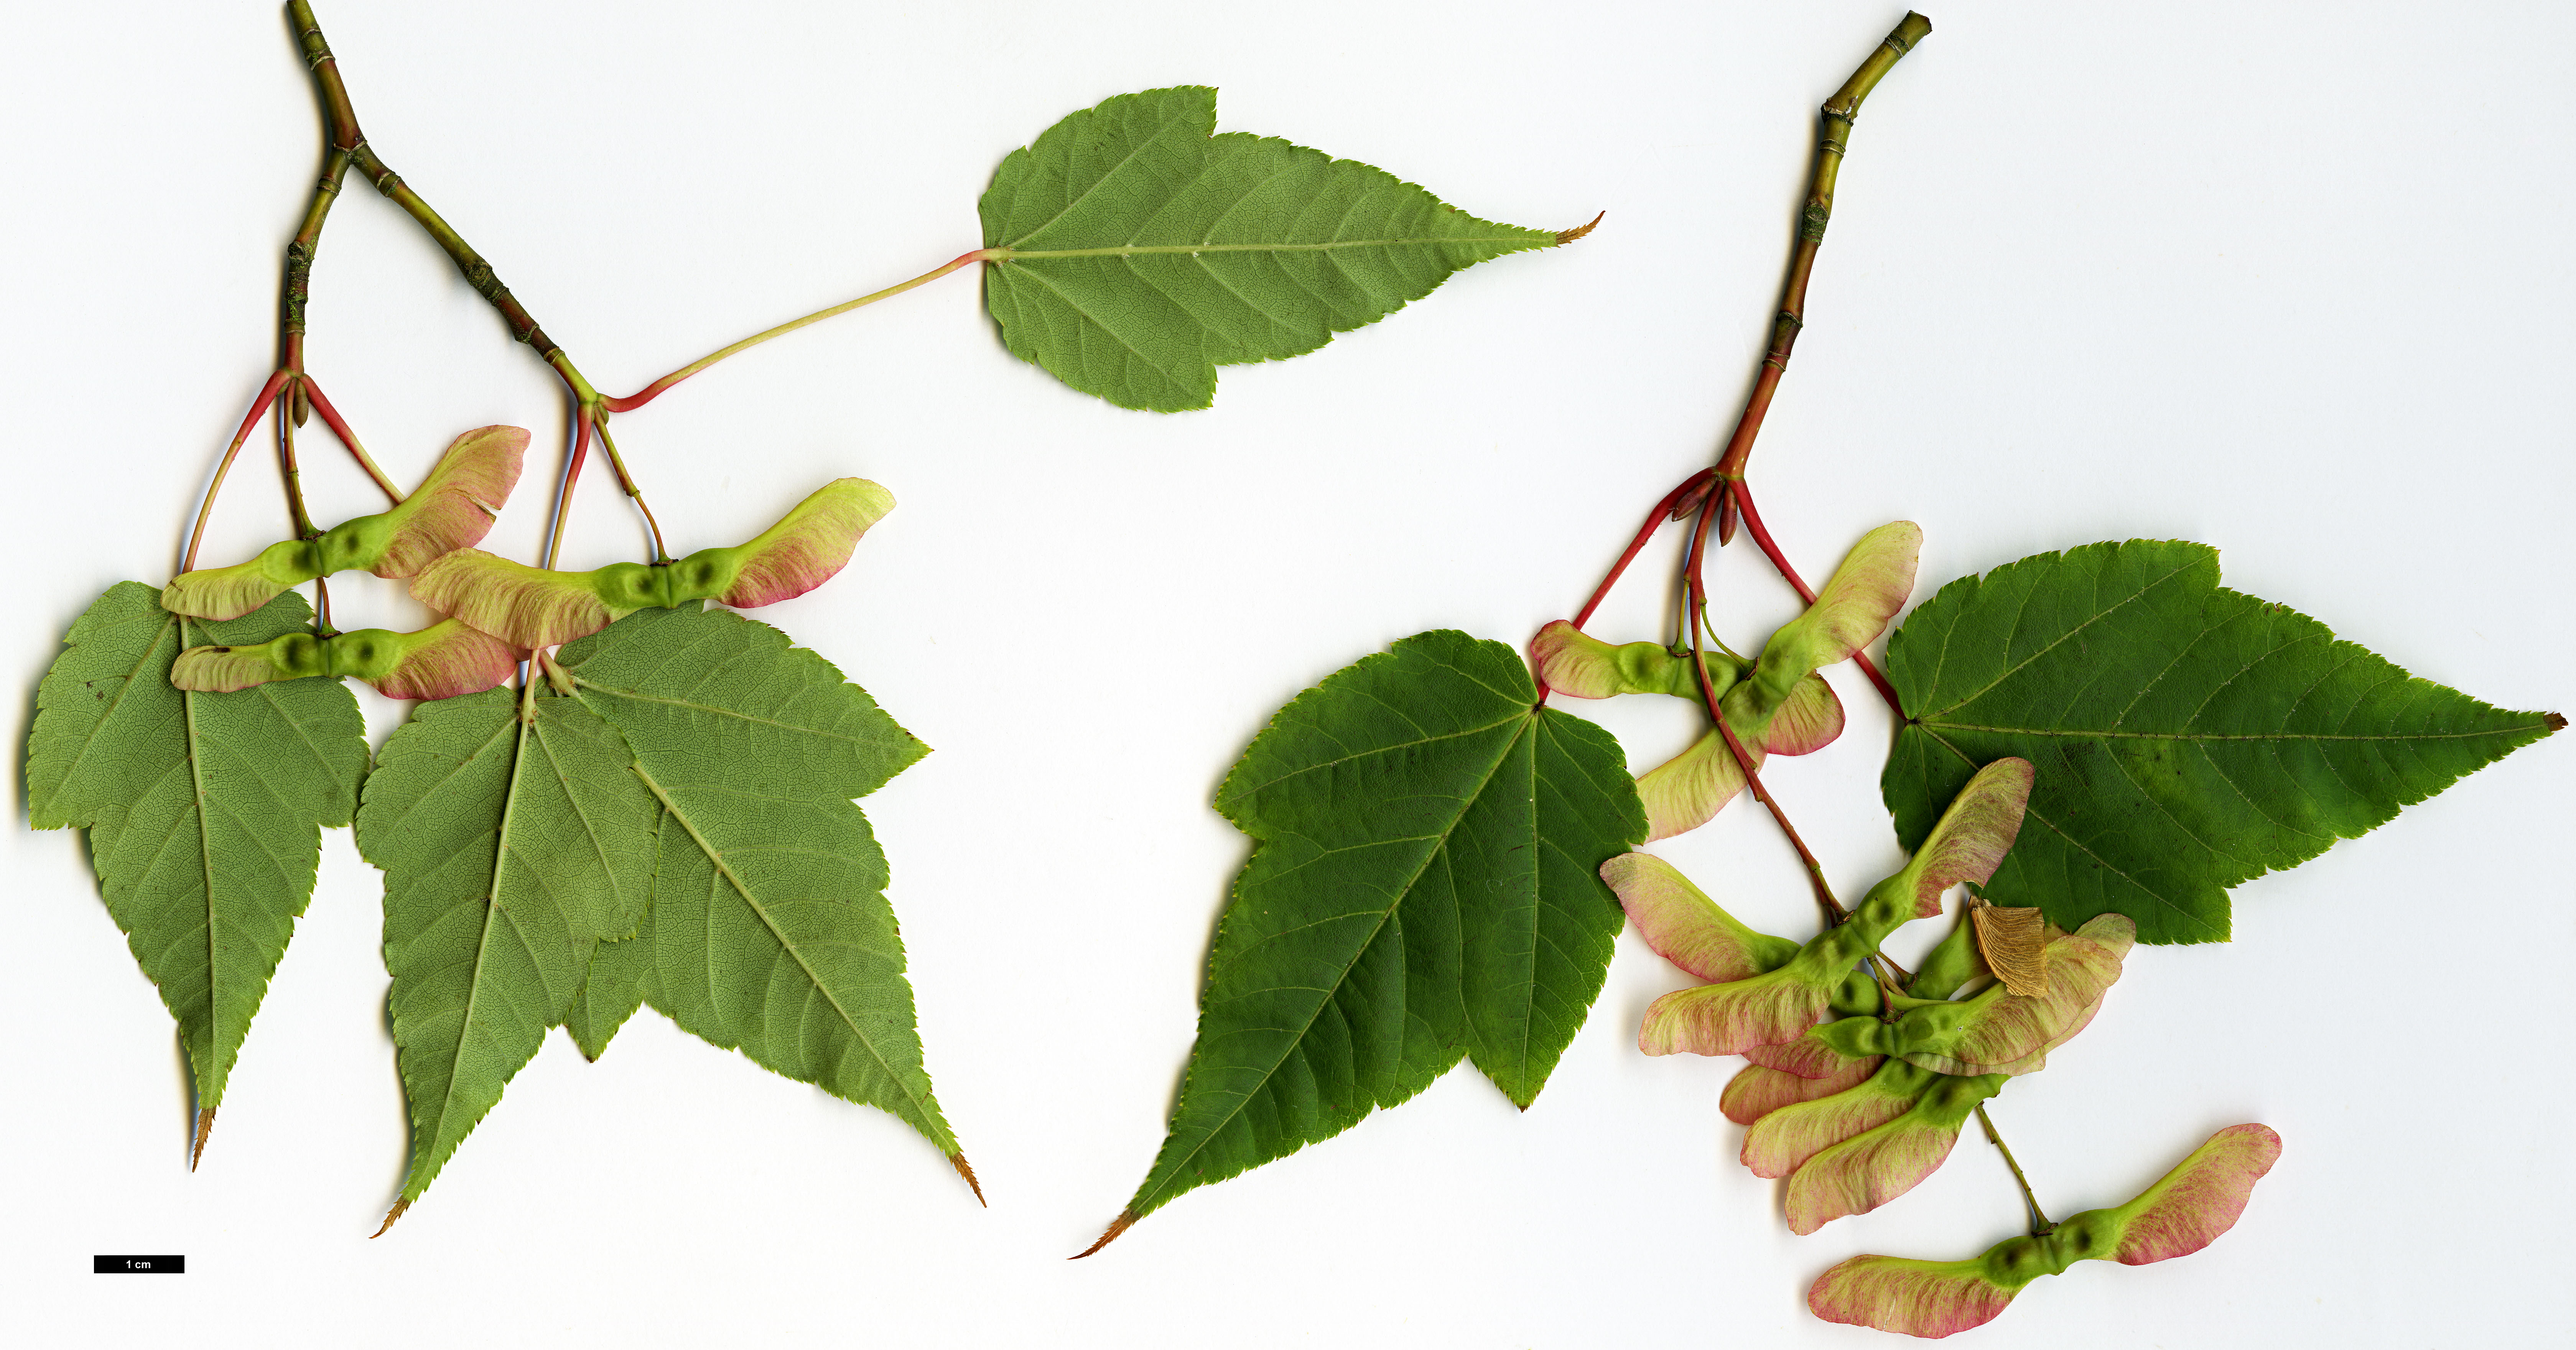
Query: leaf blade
(769,930)
(204,811)
(2188,738)
(1423,887)
(1133,250)
(512,843)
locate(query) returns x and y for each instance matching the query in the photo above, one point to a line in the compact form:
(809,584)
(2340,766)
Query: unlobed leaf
(1423,886)
(2188,737)
(204,810)
(1133,251)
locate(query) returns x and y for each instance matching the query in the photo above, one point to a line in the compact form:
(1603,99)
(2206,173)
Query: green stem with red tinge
(1833,134)
(340,115)
(654,390)
(1741,496)
(1697,599)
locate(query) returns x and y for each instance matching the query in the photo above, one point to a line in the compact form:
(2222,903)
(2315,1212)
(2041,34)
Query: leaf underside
(1423,886)
(510,845)
(1145,251)
(769,930)
(204,810)
(2187,737)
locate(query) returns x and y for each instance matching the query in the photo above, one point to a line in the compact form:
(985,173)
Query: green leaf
(204,810)
(1424,885)
(2187,737)
(769,931)
(1133,251)
(613,990)
(513,838)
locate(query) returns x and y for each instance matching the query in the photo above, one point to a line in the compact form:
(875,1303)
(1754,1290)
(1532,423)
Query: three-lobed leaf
(769,930)
(1423,887)
(2187,737)
(1133,251)
(513,837)
(204,810)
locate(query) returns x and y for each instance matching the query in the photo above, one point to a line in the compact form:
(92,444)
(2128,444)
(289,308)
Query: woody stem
(342,120)
(1833,133)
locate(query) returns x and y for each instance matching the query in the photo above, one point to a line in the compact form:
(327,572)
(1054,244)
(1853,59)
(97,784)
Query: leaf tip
(390,1215)
(967,1170)
(2556,722)
(1126,1219)
(197,1146)
(1569,236)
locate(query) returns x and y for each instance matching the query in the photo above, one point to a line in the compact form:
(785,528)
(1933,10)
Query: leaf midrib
(2080,733)
(736,714)
(491,905)
(1210,1133)
(1319,765)
(1129,250)
(206,865)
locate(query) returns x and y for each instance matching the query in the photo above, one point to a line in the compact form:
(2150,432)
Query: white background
(2292,280)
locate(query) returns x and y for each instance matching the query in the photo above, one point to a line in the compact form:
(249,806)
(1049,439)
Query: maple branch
(286,383)
(1832,135)
(296,279)
(1741,495)
(478,272)
(294,477)
(341,118)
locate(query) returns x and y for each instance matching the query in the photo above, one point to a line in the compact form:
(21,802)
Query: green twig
(342,118)
(2039,1224)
